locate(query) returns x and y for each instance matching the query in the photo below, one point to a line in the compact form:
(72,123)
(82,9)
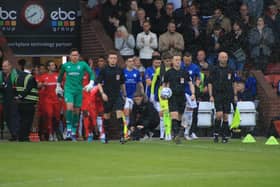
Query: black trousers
(26,111)
(11,116)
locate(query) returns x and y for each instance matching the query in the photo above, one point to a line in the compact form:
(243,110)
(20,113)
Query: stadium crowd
(177,53)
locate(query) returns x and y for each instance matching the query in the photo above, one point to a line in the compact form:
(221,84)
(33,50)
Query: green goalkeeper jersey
(74,75)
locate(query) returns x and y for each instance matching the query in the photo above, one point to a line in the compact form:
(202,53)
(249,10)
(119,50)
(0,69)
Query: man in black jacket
(144,118)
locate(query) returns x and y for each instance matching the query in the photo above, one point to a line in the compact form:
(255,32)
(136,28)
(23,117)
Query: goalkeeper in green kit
(73,87)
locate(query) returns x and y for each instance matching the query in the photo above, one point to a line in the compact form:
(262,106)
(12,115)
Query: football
(166,93)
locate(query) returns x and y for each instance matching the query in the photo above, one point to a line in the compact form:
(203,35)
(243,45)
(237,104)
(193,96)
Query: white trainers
(55,137)
(187,137)
(193,135)
(51,138)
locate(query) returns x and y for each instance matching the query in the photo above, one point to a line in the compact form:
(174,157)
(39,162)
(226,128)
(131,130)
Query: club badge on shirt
(117,77)
(182,80)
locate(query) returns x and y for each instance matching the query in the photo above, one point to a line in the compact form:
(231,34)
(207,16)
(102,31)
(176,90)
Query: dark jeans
(26,111)
(11,116)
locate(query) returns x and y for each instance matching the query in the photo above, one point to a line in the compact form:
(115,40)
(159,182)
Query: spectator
(242,93)
(201,60)
(272,20)
(260,39)
(214,43)
(146,43)
(236,43)
(171,41)
(219,18)
(165,19)
(245,18)
(144,117)
(124,42)
(177,3)
(194,35)
(131,15)
(148,6)
(157,16)
(137,26)
(255,8)
(112,17)
(182,11)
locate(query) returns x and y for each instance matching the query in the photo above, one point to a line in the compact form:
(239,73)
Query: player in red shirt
(52,107)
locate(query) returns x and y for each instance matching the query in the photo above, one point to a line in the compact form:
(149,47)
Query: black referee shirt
(112,78)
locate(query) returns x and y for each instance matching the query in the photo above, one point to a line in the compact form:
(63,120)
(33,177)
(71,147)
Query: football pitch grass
(199,163)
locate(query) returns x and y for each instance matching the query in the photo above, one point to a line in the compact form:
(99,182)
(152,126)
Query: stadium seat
(248,113)
(205,114)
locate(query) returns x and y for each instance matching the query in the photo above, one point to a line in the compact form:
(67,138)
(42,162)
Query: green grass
(152,163)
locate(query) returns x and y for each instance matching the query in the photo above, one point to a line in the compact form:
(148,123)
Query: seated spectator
(255,8)
(131,15)
(146,43)
(260,40)
(144,118)
(171,41)
(194,35)
(242,93)
(201,61)
(124,42)
(137,26)
(112,17)
(251,84)
(218,18)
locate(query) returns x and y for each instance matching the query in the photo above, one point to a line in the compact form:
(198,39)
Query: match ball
(166,93)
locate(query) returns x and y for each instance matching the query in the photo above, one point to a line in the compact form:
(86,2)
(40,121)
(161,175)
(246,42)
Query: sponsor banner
(37,27)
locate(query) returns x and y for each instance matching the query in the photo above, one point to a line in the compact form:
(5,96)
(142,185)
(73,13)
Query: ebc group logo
(8,19)
(62,20)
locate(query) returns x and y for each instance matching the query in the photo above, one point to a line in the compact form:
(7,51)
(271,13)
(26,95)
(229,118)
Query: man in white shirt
(146,43)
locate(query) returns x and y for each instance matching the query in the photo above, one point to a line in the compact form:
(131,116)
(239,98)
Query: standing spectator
(148,6)
(245,18)
(194,35)
(165,19)
(124,42)
(272,20)
(137,25)
(26,96)
(177,3)
(261,40)
(255,8)
(171,41)
(144,117)
(146,43)
(176,79)
(157,16)
(112,16)
(111,83)
(219,18)
(221,92)
(74,70)
(131,15)
(11,115)
(236,43)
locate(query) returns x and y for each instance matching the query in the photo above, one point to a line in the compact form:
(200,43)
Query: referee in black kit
(176,79)
(111,83)
(222,92)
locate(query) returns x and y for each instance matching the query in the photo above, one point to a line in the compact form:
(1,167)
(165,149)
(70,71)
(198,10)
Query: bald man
(222,92)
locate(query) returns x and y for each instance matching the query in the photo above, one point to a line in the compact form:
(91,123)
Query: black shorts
(177,103)
(222,104)
(113,104)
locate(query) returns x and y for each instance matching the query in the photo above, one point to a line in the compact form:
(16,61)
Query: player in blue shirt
(133,82)
(191,106)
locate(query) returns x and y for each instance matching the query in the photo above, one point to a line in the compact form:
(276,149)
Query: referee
(111,82)
(177,79)
(221,91)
